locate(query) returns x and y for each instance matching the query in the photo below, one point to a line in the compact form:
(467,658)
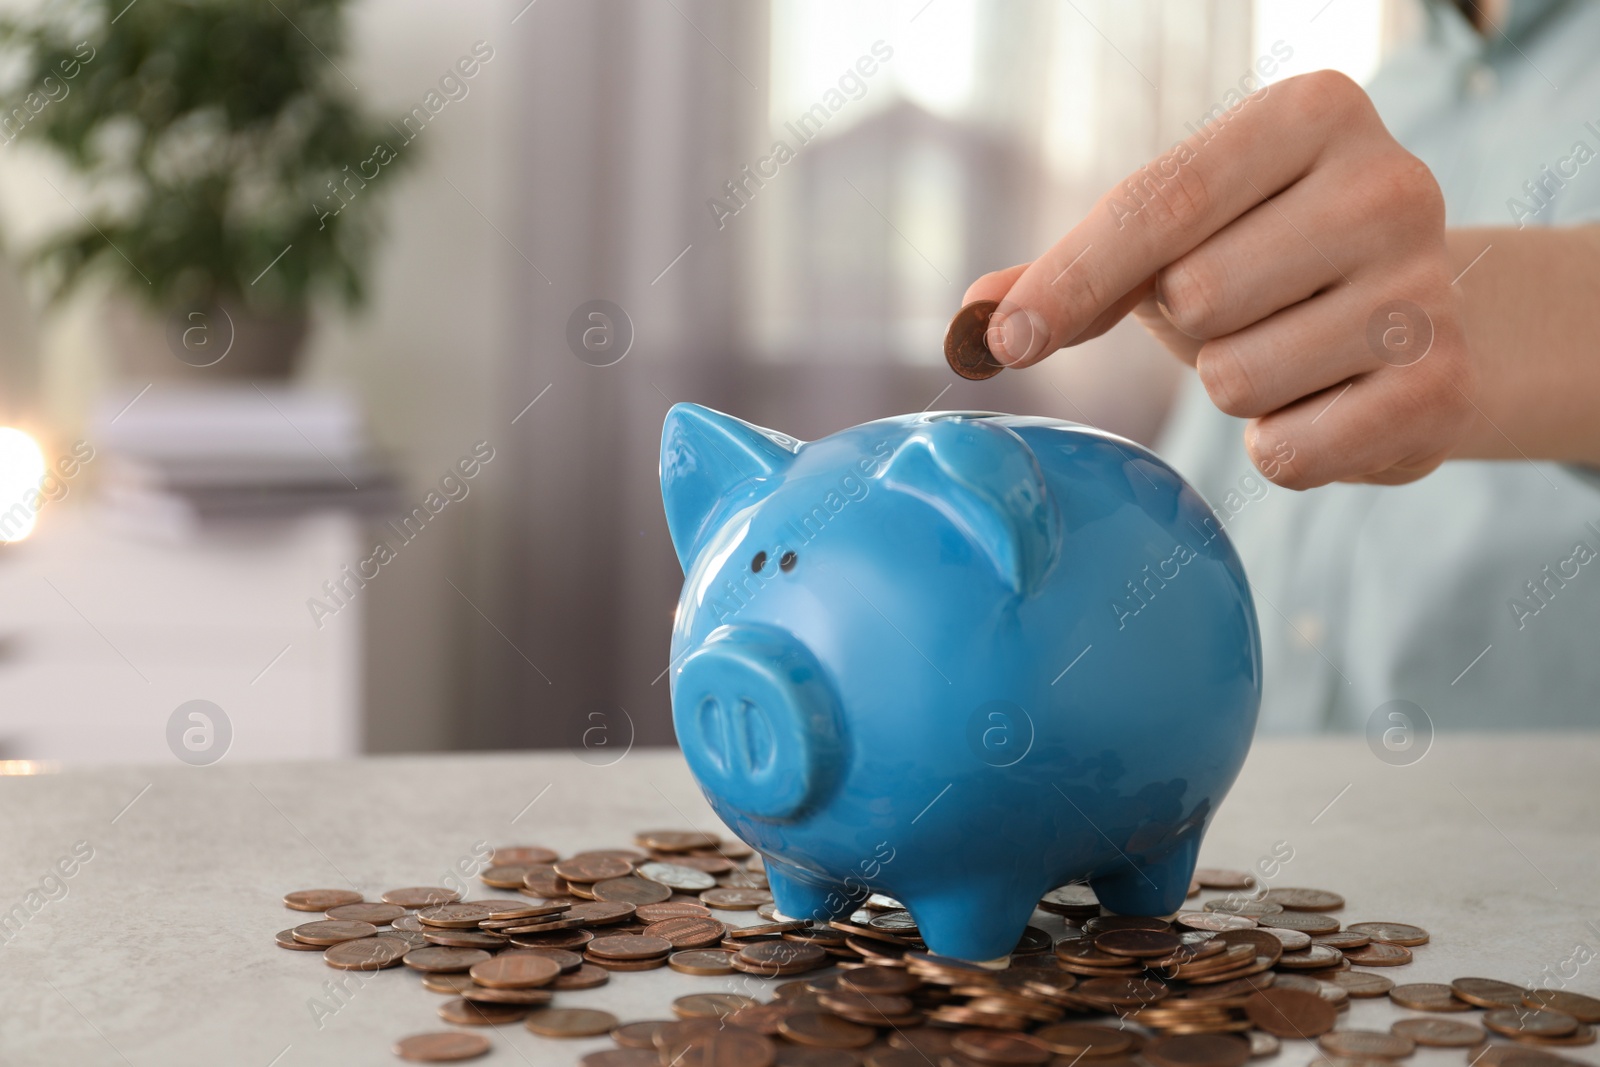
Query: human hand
(1295,255)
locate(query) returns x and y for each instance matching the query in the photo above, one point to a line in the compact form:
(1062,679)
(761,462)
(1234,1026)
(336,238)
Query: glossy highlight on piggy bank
(958,658)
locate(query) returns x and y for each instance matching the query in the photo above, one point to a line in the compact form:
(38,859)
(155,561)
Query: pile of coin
(1210,987)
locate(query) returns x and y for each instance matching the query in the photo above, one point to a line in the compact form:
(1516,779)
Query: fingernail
(1016,333)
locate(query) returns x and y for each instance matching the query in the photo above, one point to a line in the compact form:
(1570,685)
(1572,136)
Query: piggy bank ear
(986,481)
(707,459)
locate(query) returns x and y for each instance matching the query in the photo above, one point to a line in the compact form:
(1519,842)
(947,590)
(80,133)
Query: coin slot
(786,562)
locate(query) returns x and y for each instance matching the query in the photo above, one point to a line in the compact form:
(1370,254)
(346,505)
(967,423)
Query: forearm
(1530,306)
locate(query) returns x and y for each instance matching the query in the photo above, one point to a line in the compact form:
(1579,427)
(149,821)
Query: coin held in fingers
(965,346)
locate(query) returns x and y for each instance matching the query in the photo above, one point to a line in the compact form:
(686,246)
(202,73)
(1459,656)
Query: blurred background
(335,337)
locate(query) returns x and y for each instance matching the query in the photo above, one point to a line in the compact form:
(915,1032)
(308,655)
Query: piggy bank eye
(759,562)
(787,561)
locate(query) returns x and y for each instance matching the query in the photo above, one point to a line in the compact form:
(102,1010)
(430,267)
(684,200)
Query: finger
(1295,353)
(1168,207)
(1265,261)
(1393,424)
(993,286)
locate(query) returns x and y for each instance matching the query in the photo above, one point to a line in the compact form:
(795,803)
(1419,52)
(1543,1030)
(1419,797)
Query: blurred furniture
(103,635)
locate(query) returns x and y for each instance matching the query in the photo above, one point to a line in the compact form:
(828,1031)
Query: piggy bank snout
(759,722)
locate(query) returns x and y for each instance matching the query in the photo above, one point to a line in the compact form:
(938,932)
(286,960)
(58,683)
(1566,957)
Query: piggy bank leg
(1150,886)
(797,898)
(975,922)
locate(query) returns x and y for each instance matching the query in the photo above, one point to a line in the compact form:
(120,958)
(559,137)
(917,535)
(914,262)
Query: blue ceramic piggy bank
(958,658)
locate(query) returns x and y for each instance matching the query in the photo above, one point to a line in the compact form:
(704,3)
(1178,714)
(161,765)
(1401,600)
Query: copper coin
(1292,940)
(421,896)
(554,939)
(1583,1035)
(456,916)
(1307,922)
(319,899)
(490,995)
(332,931)
(566,961)
(407,922)
(590,867)
(1101,923)
(987,1046)
(286,939)
(1583,1008)
(826,1031)
(654,913)
(676,876)
(600,912)
(629,947)
(1242,906)
(463,1012)
(527,915)
(893,980)
(1488,992)
(638,1035)
(453,984)
(869,1009)
(523,855)
(649,963)
(631,889)
(376,914)
(365,953)
(1295,899)
(1312,958)
(768,929)
(762,1018)
(1427,996)
(688,932)
(1138,943)
(928,1041)
(621,1057)
(710,1005)
(505,875)
(1522,1020)
(736,899)
(1379,954)
(1342,939)
(1392,933)
(702,961)
(1197,1050)
(724,1048)
(457,938)
(541,924)
(714,863)
(1220,878)
(515,970)
(571,1022)
(1288,1013)
(1075,1039)
(1367,1044)
(541,880)
(1214,921)
(1440,1033)
(587,976)
(446,1046)
(676,840)
(781,955)
(441,960)
(1361,983)
(964,346)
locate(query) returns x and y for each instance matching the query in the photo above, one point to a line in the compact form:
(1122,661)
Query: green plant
(207,132)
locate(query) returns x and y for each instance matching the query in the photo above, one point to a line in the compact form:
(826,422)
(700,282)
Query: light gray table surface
(161,950)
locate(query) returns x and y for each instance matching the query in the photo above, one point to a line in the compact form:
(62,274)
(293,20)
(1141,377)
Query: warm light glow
(22,468)
(28,766)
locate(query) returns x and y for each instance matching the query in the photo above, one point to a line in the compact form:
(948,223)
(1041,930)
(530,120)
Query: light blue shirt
(1474,592)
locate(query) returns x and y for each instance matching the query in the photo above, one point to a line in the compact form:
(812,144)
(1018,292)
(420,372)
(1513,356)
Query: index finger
(1158,213)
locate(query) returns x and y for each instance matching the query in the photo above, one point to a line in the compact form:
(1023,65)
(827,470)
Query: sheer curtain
(815,299)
